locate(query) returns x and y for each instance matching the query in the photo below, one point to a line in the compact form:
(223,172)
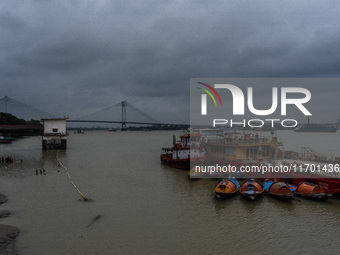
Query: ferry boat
(239,148)
(315,128)
(185,151)
(79,131)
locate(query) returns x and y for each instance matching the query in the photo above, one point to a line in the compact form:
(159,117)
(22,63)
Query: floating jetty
(236,150)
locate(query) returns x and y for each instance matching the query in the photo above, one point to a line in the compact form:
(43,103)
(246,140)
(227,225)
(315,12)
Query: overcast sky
(73,57)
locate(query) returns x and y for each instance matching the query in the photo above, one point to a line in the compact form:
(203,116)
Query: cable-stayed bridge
(123,113)
(21,110)
(124,108)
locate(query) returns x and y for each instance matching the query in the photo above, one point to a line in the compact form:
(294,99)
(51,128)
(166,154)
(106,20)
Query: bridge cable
(142,113)
(6,99)
(97,112)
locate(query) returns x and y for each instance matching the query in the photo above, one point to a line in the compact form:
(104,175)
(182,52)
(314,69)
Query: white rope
(74,185)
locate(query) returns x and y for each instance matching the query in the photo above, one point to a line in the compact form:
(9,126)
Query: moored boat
(331,186)
(311,191)
(251,189)
(292,187)
(226,188)
(187,150)
(5,139)
(240,149)
(278,189)
(315,128)
(196,173)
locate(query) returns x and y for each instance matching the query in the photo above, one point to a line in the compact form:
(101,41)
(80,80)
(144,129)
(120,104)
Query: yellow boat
(226,188)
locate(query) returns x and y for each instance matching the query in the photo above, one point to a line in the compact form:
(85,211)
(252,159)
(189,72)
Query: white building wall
(55,136)
(55,126)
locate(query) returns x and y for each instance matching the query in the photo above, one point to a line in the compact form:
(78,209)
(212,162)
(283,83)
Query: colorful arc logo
(204,97)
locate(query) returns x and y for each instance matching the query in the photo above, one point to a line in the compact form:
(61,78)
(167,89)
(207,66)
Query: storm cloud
(76,57)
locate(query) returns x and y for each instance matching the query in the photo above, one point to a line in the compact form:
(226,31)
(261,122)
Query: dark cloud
(75,57)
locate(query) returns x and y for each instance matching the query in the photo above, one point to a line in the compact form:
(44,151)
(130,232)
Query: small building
(55,135)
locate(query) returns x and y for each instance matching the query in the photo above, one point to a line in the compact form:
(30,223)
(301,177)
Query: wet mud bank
(8,233)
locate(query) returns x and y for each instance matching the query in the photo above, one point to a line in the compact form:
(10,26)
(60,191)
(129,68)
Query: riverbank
(8,233)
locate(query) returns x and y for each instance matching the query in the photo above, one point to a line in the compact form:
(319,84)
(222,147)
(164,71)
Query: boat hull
(176,163)
(226,188)
(225,195)
(330,185)
(184,164)
(278,190)
(6,141)
(250,197)
(311,191)
(315,128)
(251,190)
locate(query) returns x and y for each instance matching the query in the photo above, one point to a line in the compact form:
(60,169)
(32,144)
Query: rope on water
(74,185)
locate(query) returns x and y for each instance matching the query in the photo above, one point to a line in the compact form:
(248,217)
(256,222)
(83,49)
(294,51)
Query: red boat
(251,189)
(311,190)
(185,151)
(278,189)
(329,185)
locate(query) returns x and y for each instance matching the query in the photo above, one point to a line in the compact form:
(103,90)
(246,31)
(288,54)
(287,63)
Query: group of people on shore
(40,171)
(6,160)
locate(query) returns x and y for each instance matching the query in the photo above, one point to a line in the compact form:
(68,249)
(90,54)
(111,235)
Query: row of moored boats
(253,189)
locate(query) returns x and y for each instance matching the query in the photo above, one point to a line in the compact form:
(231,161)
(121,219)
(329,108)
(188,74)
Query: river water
(149,208)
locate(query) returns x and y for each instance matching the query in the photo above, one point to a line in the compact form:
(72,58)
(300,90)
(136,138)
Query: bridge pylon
(124,115)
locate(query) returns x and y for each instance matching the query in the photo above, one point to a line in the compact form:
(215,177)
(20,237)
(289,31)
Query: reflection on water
(283,205)
(146,207)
